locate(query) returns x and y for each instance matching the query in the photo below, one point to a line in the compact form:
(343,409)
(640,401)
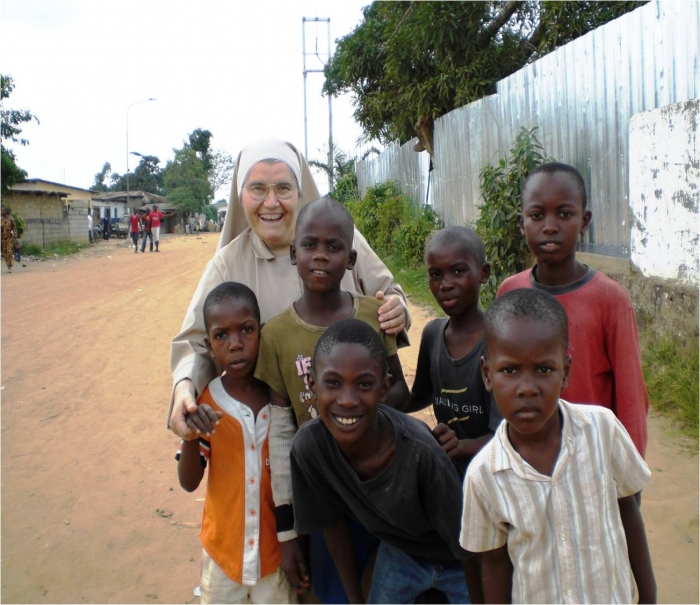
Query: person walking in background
(155,216)
(105,228)
(9,232)
(91,225)
(191,223)
(146,224)
(18,249)
(134,221)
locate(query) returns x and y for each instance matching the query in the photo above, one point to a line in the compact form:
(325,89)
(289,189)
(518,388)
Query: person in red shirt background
(134,228)
(155,216)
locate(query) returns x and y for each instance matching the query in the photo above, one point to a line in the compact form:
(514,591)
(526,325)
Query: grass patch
(61,248)
(671,372)
(415,284)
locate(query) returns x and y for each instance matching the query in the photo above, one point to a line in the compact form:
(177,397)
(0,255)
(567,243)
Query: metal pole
(127,146)
(330,120)
(303,52)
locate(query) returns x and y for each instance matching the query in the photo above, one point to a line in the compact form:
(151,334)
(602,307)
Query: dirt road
(91,507)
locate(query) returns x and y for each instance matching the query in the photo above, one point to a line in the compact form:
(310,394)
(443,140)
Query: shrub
(345,189)
(501,186)
(394,225)
(671,373)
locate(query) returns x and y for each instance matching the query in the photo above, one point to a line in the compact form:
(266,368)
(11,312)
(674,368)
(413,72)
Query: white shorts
(156,233)
(217,587)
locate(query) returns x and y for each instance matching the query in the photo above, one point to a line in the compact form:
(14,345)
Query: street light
(127,145)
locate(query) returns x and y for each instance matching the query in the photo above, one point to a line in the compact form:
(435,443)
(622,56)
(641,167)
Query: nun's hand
(183,403)
(392,314)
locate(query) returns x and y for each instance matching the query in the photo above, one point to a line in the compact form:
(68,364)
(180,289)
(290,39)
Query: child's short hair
(458,234)
(553,167)
(350,331)
(526,303)
(227,291)
(329,206)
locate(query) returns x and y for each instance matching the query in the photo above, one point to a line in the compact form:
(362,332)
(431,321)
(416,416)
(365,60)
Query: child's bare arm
(417,402)
(340,546)
(472,573)
(497,575)
(457,448)
(190,469)
(638,549)
(398,393)
(295,565)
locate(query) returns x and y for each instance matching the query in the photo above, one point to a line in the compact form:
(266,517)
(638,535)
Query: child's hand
(295,565)
(202,420)
(392,314)
(447,438)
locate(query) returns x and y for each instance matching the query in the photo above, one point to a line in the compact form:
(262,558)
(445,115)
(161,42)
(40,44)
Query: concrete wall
(664,195)
(47,221)
(664,308)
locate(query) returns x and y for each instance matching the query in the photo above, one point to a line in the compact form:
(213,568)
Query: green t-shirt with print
(287,344)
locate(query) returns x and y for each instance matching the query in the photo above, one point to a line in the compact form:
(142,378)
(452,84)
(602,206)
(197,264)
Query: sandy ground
(91,507)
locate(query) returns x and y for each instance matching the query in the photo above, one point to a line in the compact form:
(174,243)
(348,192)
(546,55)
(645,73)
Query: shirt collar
(504,456)
(259,248)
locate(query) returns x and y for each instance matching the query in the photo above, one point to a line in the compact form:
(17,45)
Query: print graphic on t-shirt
(303,365)
(444,400)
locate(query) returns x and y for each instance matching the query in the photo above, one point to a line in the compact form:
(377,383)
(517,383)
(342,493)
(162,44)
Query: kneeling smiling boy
(363,460)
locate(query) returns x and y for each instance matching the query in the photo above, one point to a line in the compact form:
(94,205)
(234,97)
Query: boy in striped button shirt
(550,500)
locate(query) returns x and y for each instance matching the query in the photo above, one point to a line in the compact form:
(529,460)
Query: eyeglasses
(260,191)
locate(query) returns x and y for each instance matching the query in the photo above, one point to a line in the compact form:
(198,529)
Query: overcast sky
(231,67)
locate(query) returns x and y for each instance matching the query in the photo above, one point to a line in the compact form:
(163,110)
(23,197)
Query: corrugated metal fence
(581,98)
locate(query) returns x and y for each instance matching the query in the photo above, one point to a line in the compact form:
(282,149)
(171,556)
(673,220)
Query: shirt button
(252,512)
(252,481)
(563,539)
(251,542)
(569,591)
(252,447)
(264,416)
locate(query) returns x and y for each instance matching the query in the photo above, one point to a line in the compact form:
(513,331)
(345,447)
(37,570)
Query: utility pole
(315,52)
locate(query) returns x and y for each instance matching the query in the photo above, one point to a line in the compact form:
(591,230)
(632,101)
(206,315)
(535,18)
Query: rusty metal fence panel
(581,98)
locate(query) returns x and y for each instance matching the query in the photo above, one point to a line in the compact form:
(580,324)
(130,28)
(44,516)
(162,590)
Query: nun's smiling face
(272,219)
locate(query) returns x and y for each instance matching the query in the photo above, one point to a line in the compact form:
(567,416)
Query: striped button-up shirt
(564,533)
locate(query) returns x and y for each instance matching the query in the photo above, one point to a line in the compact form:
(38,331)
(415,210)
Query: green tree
(221,171)
(342,168)
(408,63)
(99,182)
(200,142)
(186,182)
(10,130)
(147,176)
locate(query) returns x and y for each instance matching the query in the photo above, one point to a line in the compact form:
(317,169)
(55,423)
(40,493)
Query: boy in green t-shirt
(322,252)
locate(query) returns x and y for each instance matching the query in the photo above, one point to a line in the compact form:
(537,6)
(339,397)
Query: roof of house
(14,191)
(136,197)
(35,181)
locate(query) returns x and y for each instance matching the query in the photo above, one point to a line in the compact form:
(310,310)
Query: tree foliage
(342,169)
(11,129)
(501,186)
(221,171)
(186,181)
(408,63)
(189,180)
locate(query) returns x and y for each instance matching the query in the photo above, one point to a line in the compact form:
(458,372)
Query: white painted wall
(664,169)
